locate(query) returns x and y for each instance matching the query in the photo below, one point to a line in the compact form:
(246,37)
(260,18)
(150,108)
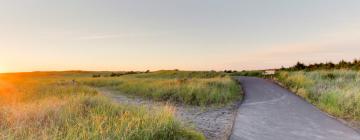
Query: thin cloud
(92,37)
(123,35)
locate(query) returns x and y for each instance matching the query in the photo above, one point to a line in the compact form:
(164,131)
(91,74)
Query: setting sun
(2,69)
(180,69)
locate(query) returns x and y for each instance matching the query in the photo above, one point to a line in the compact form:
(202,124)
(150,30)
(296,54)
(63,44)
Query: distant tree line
(118,74)
(355,65)
(230,71)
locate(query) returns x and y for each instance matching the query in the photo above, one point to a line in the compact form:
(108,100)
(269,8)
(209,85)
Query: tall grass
(254,73)
(87,117)
(55,107)
(171,74)
(334,91)
(192,88)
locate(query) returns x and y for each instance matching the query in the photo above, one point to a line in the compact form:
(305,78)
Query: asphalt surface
(270,112)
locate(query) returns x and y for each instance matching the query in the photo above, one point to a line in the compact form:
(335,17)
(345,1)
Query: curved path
(270,112)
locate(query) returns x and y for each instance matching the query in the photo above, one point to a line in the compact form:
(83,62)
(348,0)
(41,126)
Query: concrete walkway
(270,112)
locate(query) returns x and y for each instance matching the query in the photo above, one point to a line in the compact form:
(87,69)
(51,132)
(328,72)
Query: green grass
(170,74)
(191,88)
(52,106)
(334,91)
(254,73)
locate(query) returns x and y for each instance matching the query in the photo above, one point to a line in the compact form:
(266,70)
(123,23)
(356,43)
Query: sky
(43,35)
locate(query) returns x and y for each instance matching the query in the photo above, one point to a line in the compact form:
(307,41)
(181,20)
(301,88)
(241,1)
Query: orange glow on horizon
(8,93)
(2,70)
(11,85)
(15,86)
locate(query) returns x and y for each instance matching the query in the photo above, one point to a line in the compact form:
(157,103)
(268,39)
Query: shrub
(116,74)
(96,75)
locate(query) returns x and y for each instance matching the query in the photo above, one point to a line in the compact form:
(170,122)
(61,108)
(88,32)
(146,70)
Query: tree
(343,64)
(299,66)
(329,65)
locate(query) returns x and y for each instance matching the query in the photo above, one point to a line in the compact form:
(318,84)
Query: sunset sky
(39,35)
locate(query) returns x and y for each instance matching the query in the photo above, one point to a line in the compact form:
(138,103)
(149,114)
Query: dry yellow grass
(192,88)
(53,106)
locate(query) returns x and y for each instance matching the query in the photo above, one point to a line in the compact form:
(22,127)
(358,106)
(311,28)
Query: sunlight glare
(2,70)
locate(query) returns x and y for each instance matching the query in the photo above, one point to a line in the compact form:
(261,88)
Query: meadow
(54,105)
(253,73)
(334,91)
(184,87)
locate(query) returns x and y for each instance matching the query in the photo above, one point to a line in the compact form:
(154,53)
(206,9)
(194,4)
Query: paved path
(270,112)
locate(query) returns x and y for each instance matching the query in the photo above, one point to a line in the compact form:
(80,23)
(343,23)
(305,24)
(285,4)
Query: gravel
(214,122)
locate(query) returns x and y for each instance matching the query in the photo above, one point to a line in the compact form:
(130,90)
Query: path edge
(238,104)
(346,123)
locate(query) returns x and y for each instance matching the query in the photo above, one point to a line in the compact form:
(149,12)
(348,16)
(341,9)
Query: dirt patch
(214,123)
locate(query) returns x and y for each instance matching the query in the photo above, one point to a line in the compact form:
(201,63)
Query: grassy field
(191,88)
(253,73)
(55,106)
(334,91)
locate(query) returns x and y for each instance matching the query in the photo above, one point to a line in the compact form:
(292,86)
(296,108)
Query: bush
(96,75)
(116,74)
